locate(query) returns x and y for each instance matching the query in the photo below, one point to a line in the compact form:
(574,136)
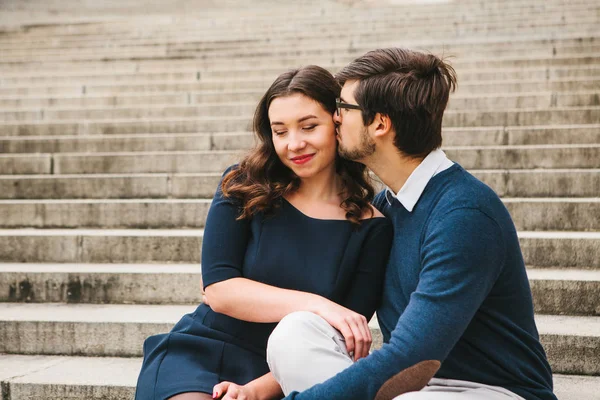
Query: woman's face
(303,134)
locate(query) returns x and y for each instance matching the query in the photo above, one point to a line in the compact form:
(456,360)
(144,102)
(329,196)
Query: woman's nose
(296,143)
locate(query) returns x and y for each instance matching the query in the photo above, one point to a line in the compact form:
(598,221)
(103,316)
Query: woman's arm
(253,301)
(256,302)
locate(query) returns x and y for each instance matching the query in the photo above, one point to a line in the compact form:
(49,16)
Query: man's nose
(337,118)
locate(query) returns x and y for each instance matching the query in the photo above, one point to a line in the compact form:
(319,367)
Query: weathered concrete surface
(100,246)
(529,214)
(132,213)
(100,283)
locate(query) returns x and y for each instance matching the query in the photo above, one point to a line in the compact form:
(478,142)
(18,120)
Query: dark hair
(262,178)
(411,88)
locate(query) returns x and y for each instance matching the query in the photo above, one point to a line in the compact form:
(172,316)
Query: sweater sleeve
(365,291)
(462,255)
(225,240)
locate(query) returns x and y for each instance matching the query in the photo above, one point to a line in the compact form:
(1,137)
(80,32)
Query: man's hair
(411,88)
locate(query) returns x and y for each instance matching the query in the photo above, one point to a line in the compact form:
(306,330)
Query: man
(457,301)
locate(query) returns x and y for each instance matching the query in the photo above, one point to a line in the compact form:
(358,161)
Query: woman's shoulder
(373,213)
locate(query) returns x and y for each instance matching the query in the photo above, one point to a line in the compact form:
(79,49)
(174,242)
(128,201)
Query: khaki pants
(304,350)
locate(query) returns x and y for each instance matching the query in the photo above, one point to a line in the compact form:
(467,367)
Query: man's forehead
(348,90)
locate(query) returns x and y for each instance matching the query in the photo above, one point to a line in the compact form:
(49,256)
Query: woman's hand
(230,391)
(353,326)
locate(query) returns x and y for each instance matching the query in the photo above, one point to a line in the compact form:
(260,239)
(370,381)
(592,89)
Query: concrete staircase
(117,119)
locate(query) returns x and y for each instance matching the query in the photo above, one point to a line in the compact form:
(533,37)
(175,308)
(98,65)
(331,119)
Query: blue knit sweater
(456,290)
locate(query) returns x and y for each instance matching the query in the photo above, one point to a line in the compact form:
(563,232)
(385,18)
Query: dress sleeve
(365,290)
(225,240)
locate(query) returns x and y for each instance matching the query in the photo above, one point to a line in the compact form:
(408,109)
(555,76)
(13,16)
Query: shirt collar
(413,188)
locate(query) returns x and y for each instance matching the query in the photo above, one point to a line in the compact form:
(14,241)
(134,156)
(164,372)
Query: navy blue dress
(331,258)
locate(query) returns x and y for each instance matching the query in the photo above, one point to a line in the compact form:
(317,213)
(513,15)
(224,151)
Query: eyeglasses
(339,105)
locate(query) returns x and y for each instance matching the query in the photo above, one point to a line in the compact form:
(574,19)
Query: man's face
(354,140)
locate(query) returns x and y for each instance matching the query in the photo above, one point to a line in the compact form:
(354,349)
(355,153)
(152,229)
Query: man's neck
(391,167)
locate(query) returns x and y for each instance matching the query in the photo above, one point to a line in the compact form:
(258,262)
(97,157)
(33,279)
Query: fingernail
(215,395)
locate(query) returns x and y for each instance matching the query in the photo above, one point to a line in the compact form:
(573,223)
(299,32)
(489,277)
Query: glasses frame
(339,104)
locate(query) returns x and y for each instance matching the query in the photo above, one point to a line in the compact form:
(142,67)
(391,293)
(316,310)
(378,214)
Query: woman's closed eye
(309,127)
(279,133)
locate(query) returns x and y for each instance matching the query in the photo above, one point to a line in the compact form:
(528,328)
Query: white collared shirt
(413,188)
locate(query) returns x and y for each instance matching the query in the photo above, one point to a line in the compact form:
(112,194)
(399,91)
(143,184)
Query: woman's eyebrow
(300,120)
(306,117)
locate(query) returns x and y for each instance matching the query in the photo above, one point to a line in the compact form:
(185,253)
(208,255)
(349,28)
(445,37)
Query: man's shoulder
(465,191)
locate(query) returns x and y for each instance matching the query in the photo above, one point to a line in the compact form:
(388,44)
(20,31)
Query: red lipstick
(303,159)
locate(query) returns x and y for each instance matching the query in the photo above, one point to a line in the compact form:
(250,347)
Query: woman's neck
(324,187)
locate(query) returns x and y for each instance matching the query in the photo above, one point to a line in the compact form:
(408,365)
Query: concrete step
(506,182)
(230,106)
(555,214)
(80,101)
(474,157)
(305,41)
(565,292)
(101,283)
(158,64)
(555,291)
(572,343)
(60,377)
(131,213)
(37,78)
(494,86)
(154,142)
(208,30)
(101,246)
(131,143)
(290,49)
(542,249)
(255,34)
(32,107)
(217,24)
(237,122)
(522,117)
(99,378)
(463,136)
(191,75)
(465,74)
(310,49)
(220,17)
(148,125)
(116,186)
(568,214)
(542,183)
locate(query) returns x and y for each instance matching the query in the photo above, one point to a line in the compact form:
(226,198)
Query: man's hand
(231,391)
(353,326)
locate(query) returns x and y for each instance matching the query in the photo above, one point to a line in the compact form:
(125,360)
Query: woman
(289,229)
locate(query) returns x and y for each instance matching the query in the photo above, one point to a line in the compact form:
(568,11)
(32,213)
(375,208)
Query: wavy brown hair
(261,179)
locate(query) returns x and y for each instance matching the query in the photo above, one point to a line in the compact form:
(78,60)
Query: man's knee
(293,327)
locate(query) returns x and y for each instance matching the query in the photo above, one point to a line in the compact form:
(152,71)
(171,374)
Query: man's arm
(462,256)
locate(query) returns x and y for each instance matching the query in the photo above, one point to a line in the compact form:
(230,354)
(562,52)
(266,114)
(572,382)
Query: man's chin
(347,154)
